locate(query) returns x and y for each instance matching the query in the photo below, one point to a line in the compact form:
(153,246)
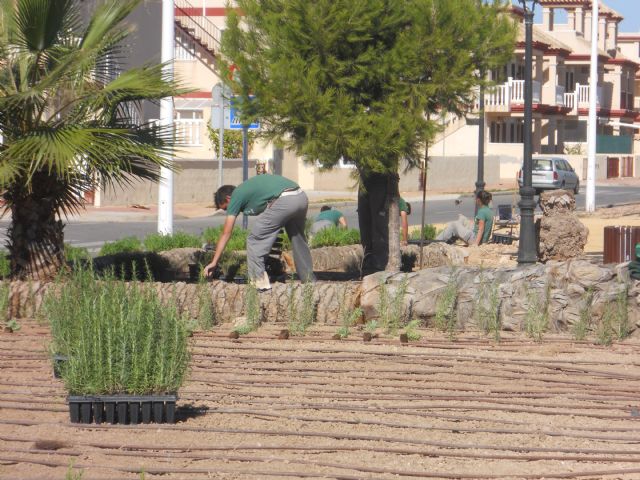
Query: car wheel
(576,190)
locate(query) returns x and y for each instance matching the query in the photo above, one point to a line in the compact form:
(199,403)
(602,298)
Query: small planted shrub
(76,254)
(207,315)
(581,327)
(411,330)
(348,317)
(428,233)
(335,237)
(253,310)
(238,240)
(391,307)
(124,245)
(446,317)
(487,307)
(4,308)
(536,319)
(615,319)
(303,310)
(118,338)
(157,242)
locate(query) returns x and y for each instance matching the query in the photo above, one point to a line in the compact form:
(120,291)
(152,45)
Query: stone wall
(558,290)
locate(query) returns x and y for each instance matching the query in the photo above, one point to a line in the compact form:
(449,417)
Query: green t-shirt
(251,197)
(330,215)
(486,214)
(403,205)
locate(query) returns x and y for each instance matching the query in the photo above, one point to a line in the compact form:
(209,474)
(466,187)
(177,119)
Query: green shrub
(76,254)
(119,338)
(156,242)
(446,318)
(335,237)
(254,312)
(124,245)
(303,310)
(238,240)
(428,233)
(391,305)
(5,265)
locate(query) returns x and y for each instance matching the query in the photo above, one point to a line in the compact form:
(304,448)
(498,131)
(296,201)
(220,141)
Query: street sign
(234,119)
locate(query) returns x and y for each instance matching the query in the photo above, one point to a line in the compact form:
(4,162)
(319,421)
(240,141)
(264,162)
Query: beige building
(561,59)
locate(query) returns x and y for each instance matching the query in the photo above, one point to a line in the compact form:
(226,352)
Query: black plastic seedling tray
(122,409)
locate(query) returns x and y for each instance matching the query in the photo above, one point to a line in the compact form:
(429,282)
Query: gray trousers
(289,212)
(321,225)
(457,229)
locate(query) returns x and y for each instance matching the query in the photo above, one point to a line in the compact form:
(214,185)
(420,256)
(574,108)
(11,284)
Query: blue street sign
(234,119)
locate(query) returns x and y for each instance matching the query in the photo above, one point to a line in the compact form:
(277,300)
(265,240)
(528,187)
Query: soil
(313,407)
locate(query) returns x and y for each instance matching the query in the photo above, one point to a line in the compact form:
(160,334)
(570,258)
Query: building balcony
(501,97)
(190,132)
(579,98)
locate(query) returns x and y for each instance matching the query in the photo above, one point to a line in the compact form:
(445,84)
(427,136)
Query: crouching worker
(328,217)
(276,202)
(482,225)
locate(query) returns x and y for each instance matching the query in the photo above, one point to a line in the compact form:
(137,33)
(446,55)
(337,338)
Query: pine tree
(356,79)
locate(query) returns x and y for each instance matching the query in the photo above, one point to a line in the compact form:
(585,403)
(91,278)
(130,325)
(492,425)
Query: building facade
(561,89)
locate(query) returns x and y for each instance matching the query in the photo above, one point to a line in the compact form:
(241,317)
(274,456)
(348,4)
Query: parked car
(550,173)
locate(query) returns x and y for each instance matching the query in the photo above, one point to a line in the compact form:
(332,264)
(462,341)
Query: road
(93,234)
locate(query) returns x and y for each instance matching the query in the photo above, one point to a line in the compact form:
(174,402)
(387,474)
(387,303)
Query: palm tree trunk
(393,195)
(35,238)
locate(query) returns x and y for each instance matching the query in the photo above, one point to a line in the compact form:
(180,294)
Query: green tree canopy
(357,79)
(66,119)
(354,78)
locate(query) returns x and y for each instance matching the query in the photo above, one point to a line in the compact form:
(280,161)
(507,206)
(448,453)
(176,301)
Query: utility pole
(165,187)
(590,204)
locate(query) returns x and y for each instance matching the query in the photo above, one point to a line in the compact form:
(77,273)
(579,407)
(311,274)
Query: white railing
(560,93)
(194,21)
(499,96)
(189,131)
(517,91)
(636,103)
(570,100)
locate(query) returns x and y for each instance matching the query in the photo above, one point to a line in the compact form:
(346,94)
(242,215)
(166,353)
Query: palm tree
(66,120)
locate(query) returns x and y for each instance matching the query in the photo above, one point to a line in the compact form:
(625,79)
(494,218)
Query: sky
(629,9)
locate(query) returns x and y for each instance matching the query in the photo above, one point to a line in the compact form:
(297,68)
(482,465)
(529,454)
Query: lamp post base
(527,248)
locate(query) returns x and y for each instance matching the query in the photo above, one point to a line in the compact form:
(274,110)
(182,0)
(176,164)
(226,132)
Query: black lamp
(527,250)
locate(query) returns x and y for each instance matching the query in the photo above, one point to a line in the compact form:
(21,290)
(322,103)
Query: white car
(550,173)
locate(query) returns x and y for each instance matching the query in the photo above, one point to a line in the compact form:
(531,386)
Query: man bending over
(276,202)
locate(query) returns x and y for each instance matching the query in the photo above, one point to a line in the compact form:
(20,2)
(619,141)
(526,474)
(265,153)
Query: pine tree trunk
(394,263)
(35,238)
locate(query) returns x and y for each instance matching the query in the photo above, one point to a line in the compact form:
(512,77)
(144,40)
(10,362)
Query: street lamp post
(480,184)
(527,251)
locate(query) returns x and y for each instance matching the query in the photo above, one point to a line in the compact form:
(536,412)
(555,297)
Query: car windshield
(542,164)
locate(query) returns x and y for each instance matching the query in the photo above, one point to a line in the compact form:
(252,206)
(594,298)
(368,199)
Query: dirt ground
(313,407)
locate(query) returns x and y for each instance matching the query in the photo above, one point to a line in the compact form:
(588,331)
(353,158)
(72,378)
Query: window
(188,114)
(507,130)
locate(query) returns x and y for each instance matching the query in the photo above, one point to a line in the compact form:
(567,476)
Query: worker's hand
(209,270)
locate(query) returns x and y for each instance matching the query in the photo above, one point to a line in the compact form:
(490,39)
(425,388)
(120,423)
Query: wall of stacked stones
(562,288)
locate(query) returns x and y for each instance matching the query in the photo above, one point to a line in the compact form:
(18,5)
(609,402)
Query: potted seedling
(411,332)
(126,351)
(370,330)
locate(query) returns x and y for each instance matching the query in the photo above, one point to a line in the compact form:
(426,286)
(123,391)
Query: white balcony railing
(517,91)
(510,92)
(579,98)
(636,103)
(189,131)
